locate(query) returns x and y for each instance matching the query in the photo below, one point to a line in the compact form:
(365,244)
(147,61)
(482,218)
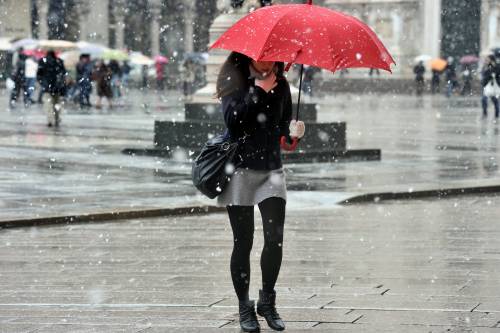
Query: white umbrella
(138,58)
(24,43)
(56,44)
(423,57)
(95,50)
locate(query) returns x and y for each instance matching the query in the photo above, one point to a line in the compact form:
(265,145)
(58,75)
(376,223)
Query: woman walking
(490,75)
(257,109)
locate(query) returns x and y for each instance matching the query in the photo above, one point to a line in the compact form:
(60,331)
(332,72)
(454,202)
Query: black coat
(259,120)
(488,72)
(52,75)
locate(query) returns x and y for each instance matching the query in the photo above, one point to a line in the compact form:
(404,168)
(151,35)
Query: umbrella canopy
(423,58)
(438,64)
(112,54)
(55,44)
(138,58)
(37,53)
(469,59)
(95,50)
(306,34)
(161,59)
(25,42)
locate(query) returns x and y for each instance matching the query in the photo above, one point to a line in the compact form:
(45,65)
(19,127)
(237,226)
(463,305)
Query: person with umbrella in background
(257,109)
(83,80)
(419,71)
(451,77)
(490,81)
(102,75)
(19,78)
(53,75)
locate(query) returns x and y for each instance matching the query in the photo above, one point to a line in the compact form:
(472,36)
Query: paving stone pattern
(428,143)
(397,266)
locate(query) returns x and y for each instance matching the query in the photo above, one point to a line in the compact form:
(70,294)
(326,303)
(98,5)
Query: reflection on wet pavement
(428,143)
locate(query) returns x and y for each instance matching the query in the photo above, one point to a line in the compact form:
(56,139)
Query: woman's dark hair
(234,74)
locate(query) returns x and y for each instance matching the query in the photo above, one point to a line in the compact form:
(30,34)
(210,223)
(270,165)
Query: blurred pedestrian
(374,71)
(257,109)
(436,81)
(83,80)
(102,75)
(307,81)
(19,78)
(451,77)
(188,78)
(419,71)
(144,74)
(53,74)
(116,77)
(160,75)
(30,70)
(490,81)
(467,79)
(125,73)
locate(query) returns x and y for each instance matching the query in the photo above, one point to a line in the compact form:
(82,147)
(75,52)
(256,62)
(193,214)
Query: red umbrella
(37,53)
(161,59)
(307,35)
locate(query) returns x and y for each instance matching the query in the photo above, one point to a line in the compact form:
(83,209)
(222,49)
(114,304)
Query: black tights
(242,223)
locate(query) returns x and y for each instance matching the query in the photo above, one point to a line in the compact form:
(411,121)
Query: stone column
(43,9)
(188,26)
(431,36)
(155,26)
(227,18)
(119,29)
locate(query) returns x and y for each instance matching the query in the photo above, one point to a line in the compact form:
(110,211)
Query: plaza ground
(426,265)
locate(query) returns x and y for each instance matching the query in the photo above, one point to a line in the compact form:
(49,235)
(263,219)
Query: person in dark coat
(102,76)
(116,77)
(257,110)
(83,80)
(490,72)
(451,77)
(436,81)
(19,78)
(419,71)
(53,75)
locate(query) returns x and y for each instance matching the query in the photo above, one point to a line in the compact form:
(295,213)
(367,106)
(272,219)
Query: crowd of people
(490,81)
(56,85)
(451,78)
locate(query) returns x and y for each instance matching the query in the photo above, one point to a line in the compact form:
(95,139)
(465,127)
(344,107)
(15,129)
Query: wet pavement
(429,143)
(408,266)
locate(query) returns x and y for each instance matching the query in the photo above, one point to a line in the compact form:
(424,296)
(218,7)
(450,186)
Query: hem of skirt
(256,202)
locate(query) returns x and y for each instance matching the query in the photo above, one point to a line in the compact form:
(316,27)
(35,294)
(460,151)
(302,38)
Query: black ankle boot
(248,318)
(266,307)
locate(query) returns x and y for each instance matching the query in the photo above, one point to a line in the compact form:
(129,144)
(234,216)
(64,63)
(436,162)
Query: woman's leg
(273,220)
(242,223)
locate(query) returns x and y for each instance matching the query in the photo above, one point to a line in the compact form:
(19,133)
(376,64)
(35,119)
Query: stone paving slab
(392,267)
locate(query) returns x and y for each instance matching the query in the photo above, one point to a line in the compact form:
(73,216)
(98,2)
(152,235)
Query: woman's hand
(297,129)
(268,83)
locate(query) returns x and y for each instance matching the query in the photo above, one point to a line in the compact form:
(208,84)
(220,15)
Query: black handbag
(213,167)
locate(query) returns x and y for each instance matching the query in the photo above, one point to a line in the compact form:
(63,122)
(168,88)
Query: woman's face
(263,66)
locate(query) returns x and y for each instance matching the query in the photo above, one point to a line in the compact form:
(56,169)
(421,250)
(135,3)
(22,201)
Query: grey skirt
(250,187)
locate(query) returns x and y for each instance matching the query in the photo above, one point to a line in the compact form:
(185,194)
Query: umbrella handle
(288,147)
